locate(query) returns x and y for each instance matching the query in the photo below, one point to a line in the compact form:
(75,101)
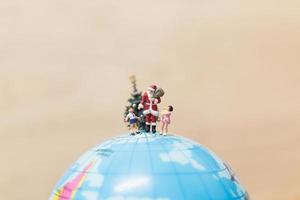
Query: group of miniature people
(148,103)
(164,118)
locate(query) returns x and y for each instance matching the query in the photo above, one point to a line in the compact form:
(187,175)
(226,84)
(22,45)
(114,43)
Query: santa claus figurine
(149,102)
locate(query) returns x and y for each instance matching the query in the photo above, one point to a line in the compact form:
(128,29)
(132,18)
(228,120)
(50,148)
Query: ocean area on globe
(149,167)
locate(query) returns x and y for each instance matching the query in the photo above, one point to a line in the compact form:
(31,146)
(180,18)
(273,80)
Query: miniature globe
(149,167)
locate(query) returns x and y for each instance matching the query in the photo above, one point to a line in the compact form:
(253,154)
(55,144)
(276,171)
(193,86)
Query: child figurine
(132,121)
(166,120)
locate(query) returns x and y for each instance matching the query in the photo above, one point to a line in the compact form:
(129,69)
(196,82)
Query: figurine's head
(130,110)
(151,89)
(170,108)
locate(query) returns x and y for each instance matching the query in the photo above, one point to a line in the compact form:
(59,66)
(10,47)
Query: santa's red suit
(149,103)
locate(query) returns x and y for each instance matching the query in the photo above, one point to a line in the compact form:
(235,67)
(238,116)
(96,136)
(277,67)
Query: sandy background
(229,68)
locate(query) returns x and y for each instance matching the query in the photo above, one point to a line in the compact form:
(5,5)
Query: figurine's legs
(153,123)
(135,128)
(148,123)
(153,120)
(162,127)
(153,129)
(132,131)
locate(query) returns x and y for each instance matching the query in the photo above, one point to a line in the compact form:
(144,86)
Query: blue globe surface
(149,167)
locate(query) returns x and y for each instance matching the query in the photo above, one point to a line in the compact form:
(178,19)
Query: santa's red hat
(152,87)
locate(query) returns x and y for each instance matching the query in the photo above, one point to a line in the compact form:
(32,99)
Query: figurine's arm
(157,100)
(159,119)
(141,105)
(126,118)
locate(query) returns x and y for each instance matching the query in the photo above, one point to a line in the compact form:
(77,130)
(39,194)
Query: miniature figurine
(166,119)
(149,102)
(133,119)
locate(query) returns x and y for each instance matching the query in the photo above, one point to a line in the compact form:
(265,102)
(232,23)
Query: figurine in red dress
(166,119)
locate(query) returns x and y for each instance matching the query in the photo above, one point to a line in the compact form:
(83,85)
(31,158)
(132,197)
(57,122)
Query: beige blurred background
(229,68)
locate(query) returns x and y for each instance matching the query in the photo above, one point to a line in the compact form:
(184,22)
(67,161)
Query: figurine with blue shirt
(133,120)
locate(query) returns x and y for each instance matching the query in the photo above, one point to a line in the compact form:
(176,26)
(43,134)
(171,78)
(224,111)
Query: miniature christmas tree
(134,101)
